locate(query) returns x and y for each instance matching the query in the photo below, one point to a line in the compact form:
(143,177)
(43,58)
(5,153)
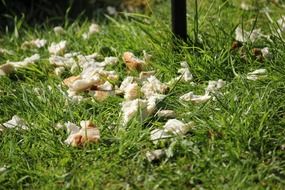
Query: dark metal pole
(179,21)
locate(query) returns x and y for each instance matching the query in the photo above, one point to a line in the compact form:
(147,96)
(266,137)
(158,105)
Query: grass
(236,143)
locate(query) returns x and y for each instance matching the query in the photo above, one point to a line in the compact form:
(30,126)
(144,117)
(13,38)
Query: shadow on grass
(52,12)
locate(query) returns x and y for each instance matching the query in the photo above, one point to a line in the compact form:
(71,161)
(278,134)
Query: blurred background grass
(55,12)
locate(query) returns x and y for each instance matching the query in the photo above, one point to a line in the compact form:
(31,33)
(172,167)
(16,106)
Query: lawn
(237,136)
